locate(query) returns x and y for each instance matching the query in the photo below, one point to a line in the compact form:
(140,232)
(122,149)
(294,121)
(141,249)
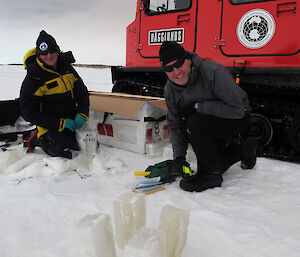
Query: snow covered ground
(255,213)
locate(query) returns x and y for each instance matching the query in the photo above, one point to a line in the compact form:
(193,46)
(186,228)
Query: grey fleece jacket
(211,90)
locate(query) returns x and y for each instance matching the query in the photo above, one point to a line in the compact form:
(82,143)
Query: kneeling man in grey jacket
(208,110)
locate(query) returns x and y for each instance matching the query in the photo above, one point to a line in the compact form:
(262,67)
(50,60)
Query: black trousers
(59,143)
(212,140)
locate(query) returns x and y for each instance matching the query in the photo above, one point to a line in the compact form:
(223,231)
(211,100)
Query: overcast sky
(95,30)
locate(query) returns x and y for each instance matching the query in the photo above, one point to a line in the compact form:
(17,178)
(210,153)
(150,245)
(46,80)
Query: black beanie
(46,43)
(171,51)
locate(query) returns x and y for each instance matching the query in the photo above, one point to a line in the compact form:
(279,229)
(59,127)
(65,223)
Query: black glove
(183,166)
(185,112)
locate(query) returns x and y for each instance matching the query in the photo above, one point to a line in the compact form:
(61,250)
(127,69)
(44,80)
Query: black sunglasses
(50,51)
(176,65)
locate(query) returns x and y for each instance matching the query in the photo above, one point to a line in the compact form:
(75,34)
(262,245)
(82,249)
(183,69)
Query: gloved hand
(79,122)
(184,166)
(166,170)
(69,124)
(162,170)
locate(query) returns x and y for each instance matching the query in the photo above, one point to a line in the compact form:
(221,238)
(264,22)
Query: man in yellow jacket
(53,97)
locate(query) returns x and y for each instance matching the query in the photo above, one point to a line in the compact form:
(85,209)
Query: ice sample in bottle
(88,142)
(174,222)
(147,242)
(130,216)
(96,235)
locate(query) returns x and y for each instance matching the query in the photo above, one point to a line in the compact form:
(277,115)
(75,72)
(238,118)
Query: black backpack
(9,111)
(9,114)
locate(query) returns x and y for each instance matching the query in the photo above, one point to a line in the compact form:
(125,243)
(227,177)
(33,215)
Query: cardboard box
(124,104)
(135,123)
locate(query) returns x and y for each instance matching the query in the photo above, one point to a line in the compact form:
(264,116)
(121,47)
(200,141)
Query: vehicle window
(247,1)
(156,6)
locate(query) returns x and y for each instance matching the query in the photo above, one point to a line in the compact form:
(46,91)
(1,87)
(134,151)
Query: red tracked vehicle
(258,40)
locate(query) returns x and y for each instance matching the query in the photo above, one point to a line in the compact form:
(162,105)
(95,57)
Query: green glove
(167,171)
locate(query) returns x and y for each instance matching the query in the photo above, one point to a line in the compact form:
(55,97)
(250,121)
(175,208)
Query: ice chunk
(19,164)
(8,158)
(34,169)
(59,164)
(95,236)
(88,142)
(81,164)
(147,242)
(174,222)
(130,216)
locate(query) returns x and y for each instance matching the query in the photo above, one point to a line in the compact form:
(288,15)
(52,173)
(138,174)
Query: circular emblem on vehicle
(256,28)
(43,46)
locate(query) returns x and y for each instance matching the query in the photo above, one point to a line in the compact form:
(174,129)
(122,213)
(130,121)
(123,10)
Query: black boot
(55,150)
(249,147)
(201,182)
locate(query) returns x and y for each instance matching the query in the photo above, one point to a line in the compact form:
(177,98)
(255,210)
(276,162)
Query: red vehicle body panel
(211,29)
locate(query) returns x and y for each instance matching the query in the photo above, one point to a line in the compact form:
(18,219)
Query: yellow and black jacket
(48,97)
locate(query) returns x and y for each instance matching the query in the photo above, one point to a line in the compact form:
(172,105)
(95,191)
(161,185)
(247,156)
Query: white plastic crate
(133,133)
